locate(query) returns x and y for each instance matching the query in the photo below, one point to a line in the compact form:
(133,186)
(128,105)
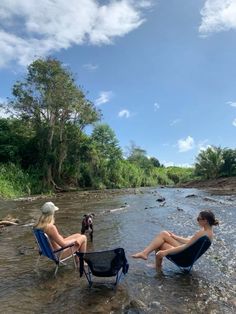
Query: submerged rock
(160,199)
(191,195)
(136,306)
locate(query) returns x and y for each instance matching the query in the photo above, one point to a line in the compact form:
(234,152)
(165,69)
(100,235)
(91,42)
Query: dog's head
(88,220)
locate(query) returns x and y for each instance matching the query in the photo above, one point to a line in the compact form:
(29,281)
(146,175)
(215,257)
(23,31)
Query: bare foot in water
(140,255)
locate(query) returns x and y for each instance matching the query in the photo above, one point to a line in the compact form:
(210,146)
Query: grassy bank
(14,182)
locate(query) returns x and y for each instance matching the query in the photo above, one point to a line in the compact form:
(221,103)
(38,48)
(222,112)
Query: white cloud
(218,15)
(39,28)
(90,67)
(124,113)
(185,145)
(156,106)
(234,122)
(174,122)
(145,4)
(103,98)
(231,103)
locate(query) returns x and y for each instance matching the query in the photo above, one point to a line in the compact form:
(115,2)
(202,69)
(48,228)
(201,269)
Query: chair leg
(89,277)
(74,259)
(37,263)
(56,269)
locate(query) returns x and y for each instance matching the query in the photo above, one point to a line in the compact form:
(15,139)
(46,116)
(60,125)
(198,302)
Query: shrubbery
(13,181)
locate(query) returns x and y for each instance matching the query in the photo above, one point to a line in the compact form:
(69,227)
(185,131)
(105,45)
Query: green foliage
(15,136)
(106,142)
(179,174)
(13,181)
(51,101)
(138,156)
(209,163)
(229,166)
(163,178)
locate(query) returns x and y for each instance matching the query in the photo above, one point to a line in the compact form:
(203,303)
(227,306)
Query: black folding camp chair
(110,263)
(186,258)
(45,249)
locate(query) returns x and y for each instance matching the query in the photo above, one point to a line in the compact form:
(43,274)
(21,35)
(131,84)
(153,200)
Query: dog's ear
(92,214)
(85,215)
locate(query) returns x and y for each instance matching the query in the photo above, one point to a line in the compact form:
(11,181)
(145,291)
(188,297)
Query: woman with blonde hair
(46,222)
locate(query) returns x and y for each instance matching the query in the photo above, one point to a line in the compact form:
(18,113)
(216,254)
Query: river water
(129,220)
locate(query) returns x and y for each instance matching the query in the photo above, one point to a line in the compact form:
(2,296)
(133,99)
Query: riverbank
(220,186)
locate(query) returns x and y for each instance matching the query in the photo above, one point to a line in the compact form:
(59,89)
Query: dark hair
(210,217)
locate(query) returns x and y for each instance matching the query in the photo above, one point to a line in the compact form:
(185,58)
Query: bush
(13,181)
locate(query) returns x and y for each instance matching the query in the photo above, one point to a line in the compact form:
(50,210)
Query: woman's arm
(56,237)
(181,247)
(180,239)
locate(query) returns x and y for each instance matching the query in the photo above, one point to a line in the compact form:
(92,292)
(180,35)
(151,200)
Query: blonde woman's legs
(80,244)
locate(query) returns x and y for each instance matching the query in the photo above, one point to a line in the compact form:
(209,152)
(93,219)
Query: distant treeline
(44,147)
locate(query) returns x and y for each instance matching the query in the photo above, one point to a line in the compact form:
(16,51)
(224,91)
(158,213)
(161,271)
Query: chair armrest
(64,247)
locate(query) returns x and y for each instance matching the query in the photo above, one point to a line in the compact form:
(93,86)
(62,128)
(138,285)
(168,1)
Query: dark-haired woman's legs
(156,244)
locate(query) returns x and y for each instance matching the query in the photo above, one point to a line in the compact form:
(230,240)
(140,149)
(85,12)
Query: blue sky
(163,72)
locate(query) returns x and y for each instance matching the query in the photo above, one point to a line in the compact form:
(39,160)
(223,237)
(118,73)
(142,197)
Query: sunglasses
(199,218)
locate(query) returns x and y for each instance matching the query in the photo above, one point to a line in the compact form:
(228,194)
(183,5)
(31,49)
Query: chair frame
(205,241)
(45,249)
(85,269)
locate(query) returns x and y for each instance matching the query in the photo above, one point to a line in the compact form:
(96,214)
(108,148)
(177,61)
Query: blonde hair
(44,221)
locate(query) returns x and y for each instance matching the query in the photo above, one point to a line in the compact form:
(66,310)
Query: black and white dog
(87,225)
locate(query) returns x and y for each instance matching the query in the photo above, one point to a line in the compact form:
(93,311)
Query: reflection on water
(210,288)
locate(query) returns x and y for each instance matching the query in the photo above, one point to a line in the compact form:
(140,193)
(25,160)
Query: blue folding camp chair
(45,249)
(186,258)
(108,263)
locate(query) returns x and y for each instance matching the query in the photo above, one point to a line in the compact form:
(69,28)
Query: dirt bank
(226,186)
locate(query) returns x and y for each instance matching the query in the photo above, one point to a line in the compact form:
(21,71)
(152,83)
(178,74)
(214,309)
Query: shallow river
(129,221)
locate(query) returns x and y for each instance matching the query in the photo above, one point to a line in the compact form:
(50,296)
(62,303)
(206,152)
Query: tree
(107,155)
(15,136)
(50,99)
(155,162)
(209,162)
(138,156)
(229,166)
(106,142)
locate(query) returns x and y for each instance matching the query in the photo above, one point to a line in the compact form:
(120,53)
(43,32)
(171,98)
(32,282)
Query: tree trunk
(62,151)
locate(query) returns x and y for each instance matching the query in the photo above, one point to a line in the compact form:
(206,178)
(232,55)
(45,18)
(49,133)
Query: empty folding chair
(110,263)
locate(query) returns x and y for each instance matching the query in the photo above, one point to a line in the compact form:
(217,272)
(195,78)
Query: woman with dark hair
(168,243)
